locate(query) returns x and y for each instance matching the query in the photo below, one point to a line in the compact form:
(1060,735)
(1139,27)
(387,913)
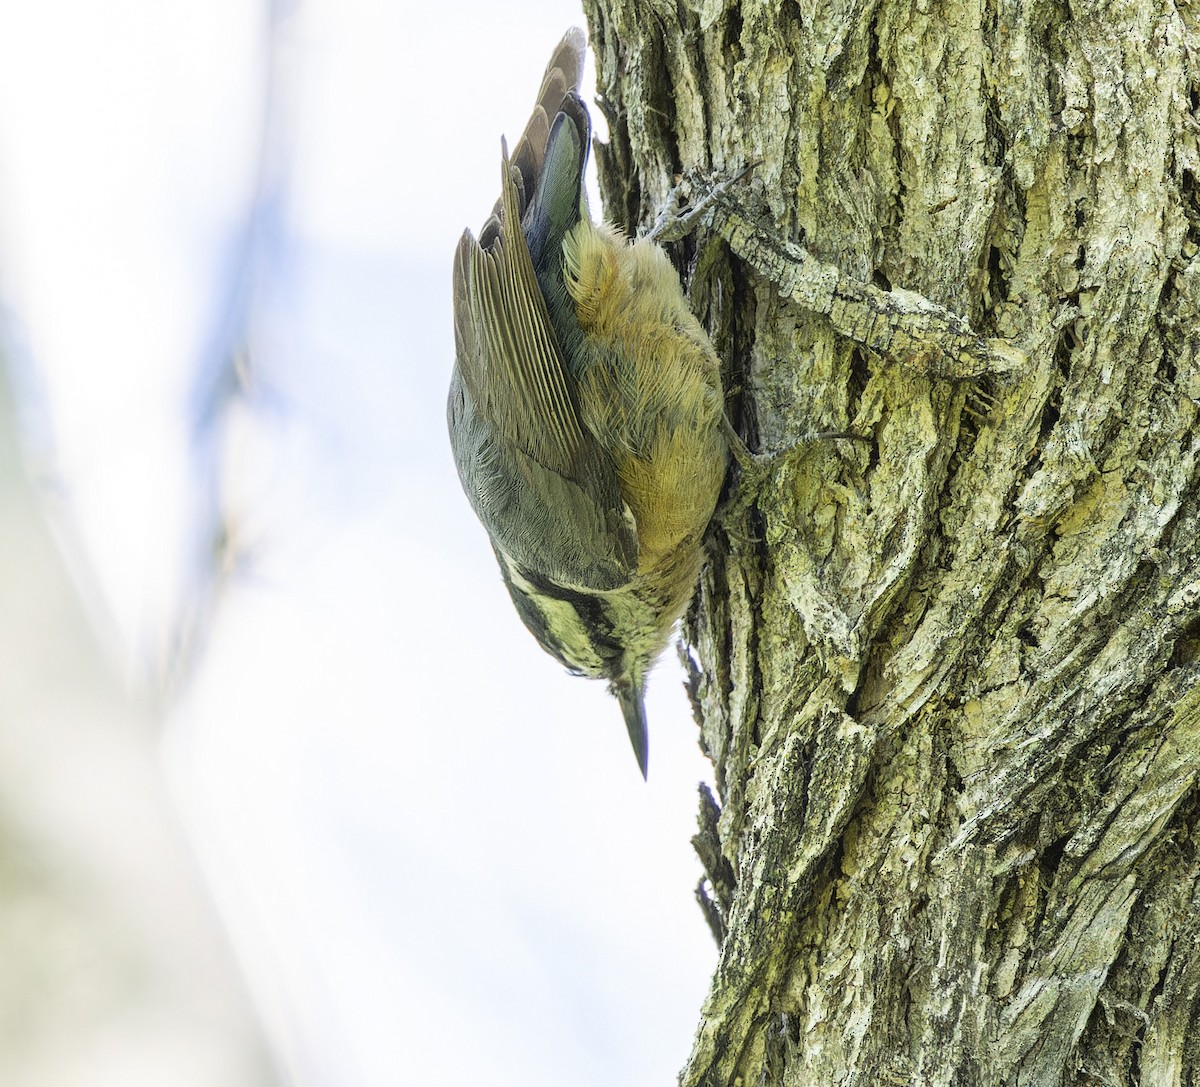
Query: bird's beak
(629,693)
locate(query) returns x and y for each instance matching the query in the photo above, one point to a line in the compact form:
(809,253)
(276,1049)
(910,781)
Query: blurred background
(287,793)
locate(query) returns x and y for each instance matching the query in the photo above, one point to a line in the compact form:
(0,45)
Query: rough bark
(947,678)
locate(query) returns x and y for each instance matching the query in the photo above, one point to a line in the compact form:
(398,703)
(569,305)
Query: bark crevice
(948,681)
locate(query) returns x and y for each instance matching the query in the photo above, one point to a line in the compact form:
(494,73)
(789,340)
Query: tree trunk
(947,677)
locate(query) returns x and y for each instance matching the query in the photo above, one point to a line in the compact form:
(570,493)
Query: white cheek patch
(563,622)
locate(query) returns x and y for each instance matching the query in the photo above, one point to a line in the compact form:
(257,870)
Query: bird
(585,411)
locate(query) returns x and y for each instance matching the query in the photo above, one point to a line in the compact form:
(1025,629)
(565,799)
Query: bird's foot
(690,203)
(756,467)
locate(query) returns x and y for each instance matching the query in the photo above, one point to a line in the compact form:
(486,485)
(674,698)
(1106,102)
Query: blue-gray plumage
(585,409)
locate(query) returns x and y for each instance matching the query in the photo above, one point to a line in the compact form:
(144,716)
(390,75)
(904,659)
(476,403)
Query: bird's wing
(544,488)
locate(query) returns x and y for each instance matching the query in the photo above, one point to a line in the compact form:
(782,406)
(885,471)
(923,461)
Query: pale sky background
(433,849)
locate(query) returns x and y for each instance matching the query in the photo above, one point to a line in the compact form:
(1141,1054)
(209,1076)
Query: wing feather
(545,489)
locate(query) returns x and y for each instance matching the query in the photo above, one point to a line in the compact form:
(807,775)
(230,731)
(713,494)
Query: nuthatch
(585,409)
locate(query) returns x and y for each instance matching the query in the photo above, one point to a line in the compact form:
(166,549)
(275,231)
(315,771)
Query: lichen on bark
(947,679)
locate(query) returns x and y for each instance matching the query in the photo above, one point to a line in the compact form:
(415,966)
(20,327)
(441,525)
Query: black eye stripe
(595,623)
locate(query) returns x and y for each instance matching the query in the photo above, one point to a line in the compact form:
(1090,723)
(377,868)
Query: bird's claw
(755,467)
(689,203)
